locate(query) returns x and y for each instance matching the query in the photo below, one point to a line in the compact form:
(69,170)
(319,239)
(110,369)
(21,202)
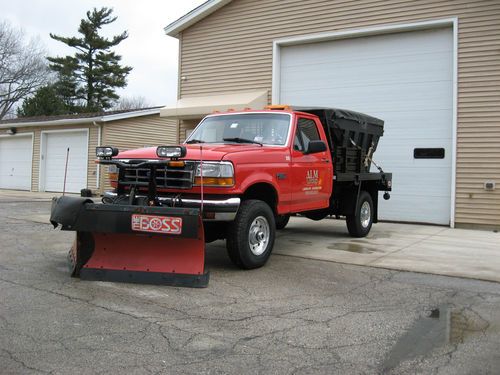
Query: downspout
(98,170)
(179,83)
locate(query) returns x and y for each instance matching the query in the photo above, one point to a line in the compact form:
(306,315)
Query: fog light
(106,152)
(171,151)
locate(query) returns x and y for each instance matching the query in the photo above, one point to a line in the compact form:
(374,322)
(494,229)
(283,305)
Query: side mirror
(316,146)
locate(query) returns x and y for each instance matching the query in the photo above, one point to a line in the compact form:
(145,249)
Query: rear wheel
(360,223)
(282,221)
(250,237)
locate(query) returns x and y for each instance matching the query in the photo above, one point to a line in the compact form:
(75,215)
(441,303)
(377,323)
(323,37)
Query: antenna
(65,171)
(201,177)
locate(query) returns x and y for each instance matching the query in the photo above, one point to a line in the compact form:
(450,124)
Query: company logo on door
(156,224)
(312,177)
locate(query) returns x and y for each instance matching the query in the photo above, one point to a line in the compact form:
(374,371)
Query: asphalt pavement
(293,316)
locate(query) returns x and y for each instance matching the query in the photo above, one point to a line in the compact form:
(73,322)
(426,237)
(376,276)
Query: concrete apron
(437,250)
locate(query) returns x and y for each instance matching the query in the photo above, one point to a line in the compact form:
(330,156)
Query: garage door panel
(55,152)
(397,149)
(405,79)
(374,47)
(413,68)
(403,97)
(423,186)
(423,125)
(15,162)
(401,211)
(325,80)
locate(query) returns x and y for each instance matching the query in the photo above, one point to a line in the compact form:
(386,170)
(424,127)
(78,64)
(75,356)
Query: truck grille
(166,177)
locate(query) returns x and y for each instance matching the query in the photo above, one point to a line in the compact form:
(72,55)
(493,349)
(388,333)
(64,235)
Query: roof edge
(61,122)
(195,15)
(137,113)
(85,120)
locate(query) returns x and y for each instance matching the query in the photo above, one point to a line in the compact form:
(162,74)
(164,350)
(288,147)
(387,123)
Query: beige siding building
(242,46)
(33,151)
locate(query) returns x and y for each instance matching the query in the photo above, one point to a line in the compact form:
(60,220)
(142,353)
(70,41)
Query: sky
(152,54)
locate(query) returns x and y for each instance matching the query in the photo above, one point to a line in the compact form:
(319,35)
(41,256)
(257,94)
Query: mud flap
(108,248)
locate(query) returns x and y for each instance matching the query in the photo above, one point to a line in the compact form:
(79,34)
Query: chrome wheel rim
(365,214)
(258,235)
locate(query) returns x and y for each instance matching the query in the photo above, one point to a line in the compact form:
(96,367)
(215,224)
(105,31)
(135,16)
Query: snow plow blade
(134,244)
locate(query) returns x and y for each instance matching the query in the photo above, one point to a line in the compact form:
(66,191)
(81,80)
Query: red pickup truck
(248,171)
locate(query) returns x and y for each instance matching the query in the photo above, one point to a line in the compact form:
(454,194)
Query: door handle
(325,160)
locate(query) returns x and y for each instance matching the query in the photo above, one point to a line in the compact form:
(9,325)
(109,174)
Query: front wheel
(360,223)
(250,237)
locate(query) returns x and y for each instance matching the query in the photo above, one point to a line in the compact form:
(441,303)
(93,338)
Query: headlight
(171,151)
(106,152)
(214,174)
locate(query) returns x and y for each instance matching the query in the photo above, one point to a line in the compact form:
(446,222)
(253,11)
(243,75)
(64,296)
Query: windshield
(262,128)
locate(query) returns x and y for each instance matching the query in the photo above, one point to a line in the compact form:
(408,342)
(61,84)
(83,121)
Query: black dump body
(352,136)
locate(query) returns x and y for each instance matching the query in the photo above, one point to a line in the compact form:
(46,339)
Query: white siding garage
(16,153)
(54,148)
(405,79)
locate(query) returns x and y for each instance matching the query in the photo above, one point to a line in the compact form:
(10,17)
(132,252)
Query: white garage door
(404,79)
(55,149)
(15,162)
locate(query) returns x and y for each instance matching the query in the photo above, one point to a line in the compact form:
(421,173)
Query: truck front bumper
(213,209)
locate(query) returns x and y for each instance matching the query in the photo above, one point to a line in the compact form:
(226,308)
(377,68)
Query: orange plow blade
(149,245)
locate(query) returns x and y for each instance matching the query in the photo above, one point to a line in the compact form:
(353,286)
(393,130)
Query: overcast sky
(151,53)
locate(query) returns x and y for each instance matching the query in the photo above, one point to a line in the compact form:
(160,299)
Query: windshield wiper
(241,140)
(195,141)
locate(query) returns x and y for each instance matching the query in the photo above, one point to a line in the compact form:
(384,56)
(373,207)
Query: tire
(281,221)
(250,237)
(360,223)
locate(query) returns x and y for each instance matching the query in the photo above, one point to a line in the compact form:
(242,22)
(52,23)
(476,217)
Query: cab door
(311,173)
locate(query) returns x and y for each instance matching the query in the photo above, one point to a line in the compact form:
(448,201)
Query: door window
(306,132)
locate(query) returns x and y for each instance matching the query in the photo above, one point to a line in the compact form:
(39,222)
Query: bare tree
(23,68)
(132,102)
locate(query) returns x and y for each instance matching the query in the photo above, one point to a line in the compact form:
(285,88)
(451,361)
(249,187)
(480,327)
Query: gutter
(85,120)
(99,140)
(75,121)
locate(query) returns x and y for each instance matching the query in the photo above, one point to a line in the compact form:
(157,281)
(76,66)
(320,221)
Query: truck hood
(212,152)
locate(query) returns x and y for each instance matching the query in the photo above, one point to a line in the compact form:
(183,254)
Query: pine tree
(89,77)
(45,102)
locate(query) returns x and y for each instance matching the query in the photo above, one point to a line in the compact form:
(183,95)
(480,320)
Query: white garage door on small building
(54,152)
(16,154)
(406,79)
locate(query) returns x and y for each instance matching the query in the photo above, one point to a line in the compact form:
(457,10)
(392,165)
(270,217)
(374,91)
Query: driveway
(294,315)
(439,250)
